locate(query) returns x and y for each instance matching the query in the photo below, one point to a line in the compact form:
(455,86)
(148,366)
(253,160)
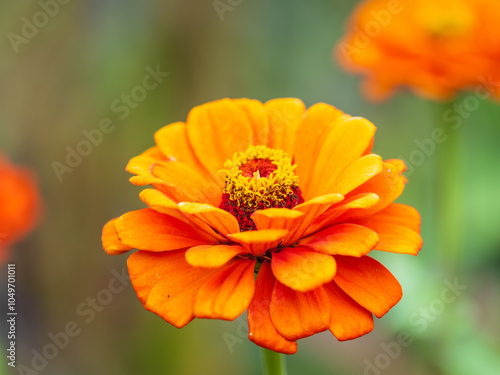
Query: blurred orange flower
(435,47)
(19,204)
(290,194)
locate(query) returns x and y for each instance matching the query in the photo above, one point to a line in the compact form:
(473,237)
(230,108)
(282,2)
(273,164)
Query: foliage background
(91,52)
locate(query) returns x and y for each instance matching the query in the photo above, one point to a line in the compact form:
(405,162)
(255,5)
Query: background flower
(436,48)
(19,204)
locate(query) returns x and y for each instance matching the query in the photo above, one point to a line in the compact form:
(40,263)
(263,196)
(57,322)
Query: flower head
(435,47)
(19,204)
(256,179)
(269,208)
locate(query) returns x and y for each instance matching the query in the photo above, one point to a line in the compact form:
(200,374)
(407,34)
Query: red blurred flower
(294,196)
(19,203)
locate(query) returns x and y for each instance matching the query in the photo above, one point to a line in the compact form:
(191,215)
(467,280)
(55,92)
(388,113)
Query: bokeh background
(64,79)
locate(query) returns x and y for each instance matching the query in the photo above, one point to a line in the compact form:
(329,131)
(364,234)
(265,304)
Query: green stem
(449,196)
(274,363)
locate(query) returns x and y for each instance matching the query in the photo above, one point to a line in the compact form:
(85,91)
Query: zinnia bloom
(435,47)
(267,208)
(19,204)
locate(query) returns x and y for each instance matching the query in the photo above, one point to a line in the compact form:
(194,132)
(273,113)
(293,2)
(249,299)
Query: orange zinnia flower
(19,204)
(294,196)
(436,47)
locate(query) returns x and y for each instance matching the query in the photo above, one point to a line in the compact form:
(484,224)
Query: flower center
(257,179)
(447,20)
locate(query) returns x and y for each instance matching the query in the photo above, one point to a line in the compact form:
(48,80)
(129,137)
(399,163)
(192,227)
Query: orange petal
(186,179)
(141,165)
(312,209)
(388,185)
(158,201)
(257,242)
(166,284)
(297,315)
(357,173)
(311,133)
(213,220)
(368,283)
(155,153)
(110,241)
(143,180)
(398,227)
(302,269)
(147,229)
(284,115)
(297,220)
(173,142)
(349,320)
(401,214)
(343,239)
(227,294)
(398,163)
(212,256)
(345,143)
(257,115)
(370,147)
(261,329)
(216,131)
(354,203)
(172,192)
(276,218)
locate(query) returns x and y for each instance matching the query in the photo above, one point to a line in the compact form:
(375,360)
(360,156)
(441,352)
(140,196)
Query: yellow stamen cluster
(258,191)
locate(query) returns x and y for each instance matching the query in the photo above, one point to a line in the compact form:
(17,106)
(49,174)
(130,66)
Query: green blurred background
(64,79)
